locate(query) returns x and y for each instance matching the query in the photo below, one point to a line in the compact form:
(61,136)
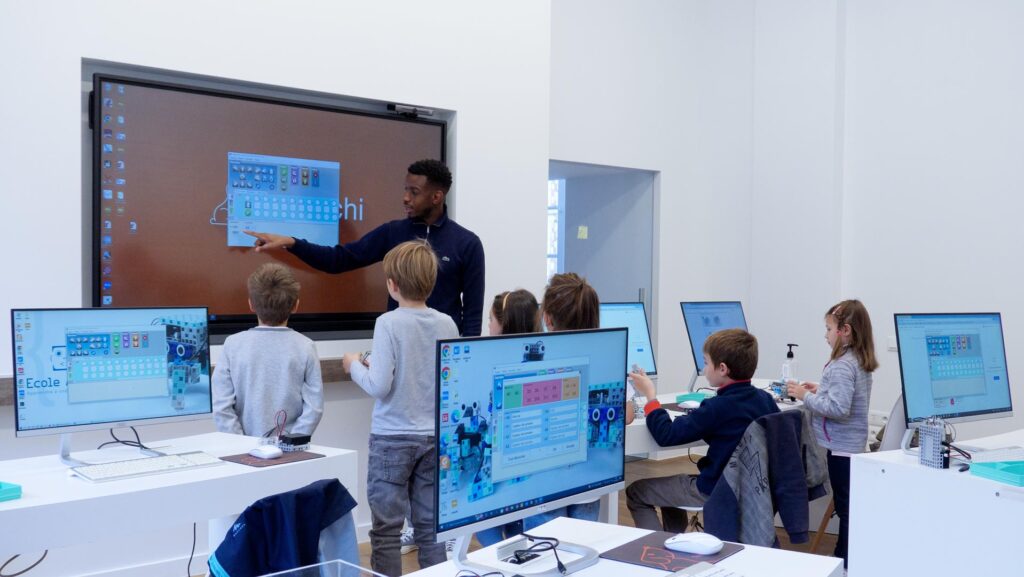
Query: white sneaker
(449,549)
(408,541)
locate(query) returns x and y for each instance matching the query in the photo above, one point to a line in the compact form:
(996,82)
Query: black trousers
(839,477)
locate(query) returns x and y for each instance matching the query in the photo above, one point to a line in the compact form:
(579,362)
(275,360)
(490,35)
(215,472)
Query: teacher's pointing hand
(270,241)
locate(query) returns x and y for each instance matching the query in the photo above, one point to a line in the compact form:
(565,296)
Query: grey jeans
(400,479)
(668,493)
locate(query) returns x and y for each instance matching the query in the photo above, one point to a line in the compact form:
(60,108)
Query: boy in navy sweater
(730,358)
(459,292)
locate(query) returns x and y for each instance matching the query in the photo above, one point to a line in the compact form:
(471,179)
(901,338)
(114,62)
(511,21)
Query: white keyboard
(703,569)
(1013,453)
(145,466)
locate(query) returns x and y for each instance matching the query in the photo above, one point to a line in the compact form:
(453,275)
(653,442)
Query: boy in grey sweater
(269,368)
(400,377)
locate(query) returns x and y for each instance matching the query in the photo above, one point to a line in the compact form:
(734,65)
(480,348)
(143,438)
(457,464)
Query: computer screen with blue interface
(81,369)
(705,318)
(524,421)
(953,366)
(296,197)
(633,317)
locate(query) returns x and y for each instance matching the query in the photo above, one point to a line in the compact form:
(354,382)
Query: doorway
(604,219)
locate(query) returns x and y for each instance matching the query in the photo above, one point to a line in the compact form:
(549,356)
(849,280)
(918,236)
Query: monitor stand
(908,437)
(693,381)
(587,556)
(67,459)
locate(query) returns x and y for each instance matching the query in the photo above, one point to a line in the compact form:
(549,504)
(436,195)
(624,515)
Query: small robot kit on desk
(9,491)
(289,442)
(934,449)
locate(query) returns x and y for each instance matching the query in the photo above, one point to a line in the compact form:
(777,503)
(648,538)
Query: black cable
(23,571)
(690,457)
(193,553)
(545,544)
(953,447)
(137,443)
(468,573)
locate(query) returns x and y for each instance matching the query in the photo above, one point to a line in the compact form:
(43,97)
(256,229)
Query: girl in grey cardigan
(839,404)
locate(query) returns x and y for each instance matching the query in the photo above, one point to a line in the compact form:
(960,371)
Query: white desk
(907,519)
(750,562)
(59,510)
(640,442)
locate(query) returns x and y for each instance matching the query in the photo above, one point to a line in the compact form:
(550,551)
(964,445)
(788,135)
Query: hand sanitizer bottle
(790,367)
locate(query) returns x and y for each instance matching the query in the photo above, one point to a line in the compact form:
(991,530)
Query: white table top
(58,509)
(751,562)
(640,442)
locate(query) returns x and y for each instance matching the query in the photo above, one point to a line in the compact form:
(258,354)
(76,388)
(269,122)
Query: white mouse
(698,543)
(689,404)
(266,452)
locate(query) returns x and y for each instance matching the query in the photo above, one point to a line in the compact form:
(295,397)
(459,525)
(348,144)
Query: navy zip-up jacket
(459,291)
(282,531)
(720,421)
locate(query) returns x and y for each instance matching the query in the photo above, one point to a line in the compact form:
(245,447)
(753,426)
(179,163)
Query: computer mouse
(689,404)
(266,452)
(697,543)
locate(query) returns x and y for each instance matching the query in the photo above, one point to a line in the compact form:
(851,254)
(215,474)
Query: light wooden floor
(635,470)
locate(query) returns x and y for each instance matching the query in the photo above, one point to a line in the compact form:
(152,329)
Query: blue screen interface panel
(952,365)
(706,318)
(85,367)
(525,420)
(633,317)
(295,197)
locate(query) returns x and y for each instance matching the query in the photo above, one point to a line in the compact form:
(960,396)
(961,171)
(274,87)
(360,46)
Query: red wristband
(651,405)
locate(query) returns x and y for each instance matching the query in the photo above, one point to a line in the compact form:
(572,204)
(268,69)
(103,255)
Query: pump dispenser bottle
(789,367)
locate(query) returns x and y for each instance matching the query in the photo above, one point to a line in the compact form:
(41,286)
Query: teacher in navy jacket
(459,291)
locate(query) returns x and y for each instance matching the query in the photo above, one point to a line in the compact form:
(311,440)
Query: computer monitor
(87,369)
(953,366)
(526,424)
(705,318)
(633,317)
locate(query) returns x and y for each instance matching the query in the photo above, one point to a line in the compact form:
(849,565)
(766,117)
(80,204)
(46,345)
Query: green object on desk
(699,396)
(9,491)
(1009,472)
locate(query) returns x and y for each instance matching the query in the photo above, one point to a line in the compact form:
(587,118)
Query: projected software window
(116,363)
(296,197)
(541,417)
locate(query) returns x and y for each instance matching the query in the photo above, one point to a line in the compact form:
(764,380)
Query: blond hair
(412,266)
(853,313)
(737,349)
(273,293)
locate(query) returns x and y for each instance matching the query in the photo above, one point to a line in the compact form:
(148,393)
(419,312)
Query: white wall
(796,192)
(887,139)
(932,179)
(488,63)
(666,85)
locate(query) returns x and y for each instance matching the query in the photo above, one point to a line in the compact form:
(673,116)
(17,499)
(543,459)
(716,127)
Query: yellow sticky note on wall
(582,232)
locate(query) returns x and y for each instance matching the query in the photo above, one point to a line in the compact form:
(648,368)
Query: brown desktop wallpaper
(175,151)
